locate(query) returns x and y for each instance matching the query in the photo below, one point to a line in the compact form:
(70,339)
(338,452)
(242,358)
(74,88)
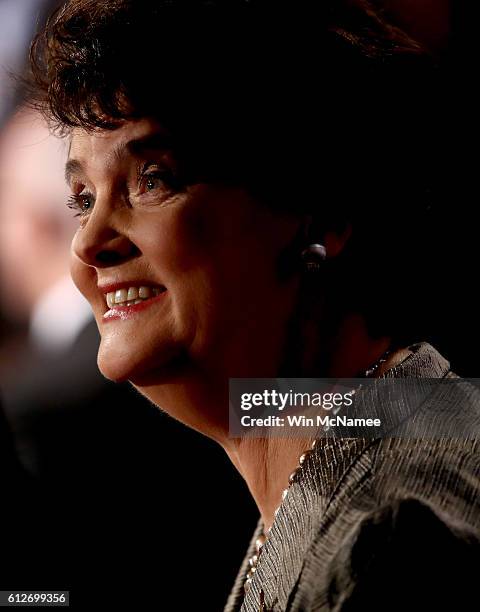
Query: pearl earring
(313,256)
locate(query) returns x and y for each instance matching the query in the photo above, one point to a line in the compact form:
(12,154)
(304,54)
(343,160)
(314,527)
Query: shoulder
(406,534)
(405,556)
(405,520)
(434,453)
(445,473)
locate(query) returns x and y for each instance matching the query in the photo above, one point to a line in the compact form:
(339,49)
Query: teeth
(121,296)
(132,293)
(130,296)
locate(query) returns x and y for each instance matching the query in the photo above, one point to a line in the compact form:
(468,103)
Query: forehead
(104,146)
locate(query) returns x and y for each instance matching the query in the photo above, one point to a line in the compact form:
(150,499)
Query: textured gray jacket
(379,524)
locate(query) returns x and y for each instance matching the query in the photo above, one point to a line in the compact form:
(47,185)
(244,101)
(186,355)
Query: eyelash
(166,175)
(77,202)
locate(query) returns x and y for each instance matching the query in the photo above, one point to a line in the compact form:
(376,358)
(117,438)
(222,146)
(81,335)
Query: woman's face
(206,257)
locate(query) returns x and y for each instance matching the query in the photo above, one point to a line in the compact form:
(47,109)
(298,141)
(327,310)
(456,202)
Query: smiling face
(202,258)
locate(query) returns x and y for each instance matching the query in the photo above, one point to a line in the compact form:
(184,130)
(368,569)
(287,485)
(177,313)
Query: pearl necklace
(262,538)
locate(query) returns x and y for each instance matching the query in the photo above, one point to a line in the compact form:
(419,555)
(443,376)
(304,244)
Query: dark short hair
(326,111)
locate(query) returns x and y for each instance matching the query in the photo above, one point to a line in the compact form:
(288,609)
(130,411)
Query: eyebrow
(73,167)
(159,141)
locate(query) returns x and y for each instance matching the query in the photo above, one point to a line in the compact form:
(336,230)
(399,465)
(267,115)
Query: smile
(128,300)
(131,296)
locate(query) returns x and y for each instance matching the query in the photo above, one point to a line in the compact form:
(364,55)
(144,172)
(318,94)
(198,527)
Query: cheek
(180,247)
(174,243)
(206,256)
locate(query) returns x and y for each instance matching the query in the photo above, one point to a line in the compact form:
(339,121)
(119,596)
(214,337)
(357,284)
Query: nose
(101,243)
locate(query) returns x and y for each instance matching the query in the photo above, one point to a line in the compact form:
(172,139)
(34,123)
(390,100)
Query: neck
(266,463)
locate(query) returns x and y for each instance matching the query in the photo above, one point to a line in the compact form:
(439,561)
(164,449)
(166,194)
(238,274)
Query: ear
(334,238)
(335,241)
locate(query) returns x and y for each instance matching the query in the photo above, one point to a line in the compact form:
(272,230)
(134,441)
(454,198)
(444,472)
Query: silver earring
(313,257)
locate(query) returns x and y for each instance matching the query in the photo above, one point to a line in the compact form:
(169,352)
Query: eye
(82,202)
(152,178)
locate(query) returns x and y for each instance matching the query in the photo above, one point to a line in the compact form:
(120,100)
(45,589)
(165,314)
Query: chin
(120,365)
(116,370)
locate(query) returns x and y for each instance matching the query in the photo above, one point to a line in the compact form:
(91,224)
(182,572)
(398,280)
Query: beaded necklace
(262,538)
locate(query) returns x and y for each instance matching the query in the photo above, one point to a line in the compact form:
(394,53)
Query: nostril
(108,257)
(113,256)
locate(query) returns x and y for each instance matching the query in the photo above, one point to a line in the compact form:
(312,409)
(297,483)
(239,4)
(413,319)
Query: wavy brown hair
(326,110)
(89,59)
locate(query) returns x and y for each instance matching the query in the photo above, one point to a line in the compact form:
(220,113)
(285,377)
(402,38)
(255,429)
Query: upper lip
(114,286)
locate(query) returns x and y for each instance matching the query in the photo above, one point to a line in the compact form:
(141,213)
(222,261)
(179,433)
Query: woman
(247,176)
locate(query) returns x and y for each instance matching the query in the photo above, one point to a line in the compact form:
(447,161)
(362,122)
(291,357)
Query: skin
(226,307)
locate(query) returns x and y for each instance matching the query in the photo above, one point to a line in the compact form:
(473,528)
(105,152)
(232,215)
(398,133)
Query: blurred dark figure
(96,494)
